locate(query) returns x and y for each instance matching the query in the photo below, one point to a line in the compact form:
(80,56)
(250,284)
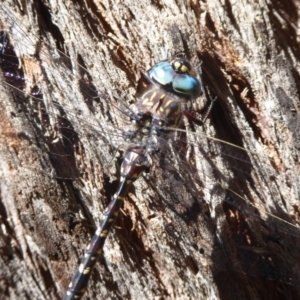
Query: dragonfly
(66,145)
(158,111)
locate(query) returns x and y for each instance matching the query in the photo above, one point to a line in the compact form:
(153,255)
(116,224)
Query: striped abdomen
(134,164)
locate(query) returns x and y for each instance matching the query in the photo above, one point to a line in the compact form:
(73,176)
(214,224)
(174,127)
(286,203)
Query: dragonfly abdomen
(134,164)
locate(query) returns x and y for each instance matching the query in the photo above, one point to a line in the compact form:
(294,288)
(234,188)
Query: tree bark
(191,235)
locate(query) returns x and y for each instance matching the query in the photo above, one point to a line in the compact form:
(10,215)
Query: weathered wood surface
(250,53)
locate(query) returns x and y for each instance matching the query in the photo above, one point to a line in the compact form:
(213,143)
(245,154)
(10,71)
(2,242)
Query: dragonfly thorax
(164,110)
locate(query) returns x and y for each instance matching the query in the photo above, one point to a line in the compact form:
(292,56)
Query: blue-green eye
(177,77)
(187,84)
(162,73)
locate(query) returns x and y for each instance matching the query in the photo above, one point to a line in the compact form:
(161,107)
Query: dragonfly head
(177,77)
